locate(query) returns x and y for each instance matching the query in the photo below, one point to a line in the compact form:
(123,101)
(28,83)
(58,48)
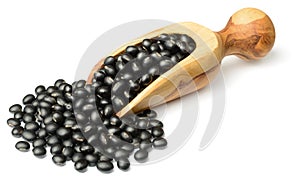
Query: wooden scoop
(249,34)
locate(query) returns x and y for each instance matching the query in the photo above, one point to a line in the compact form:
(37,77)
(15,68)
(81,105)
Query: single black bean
(68,143)
(81,165)
(51,89)
(80,84)
(59,82)
(108,110)
(18,115)
(105,166)
(144,135)
(146,43)
(58,117)
(126,136)
(50,99)
(56,149)
(103,92)
(12,122)
(70,122)
(28,118)
(52,140)
(28,135)
(67,114)
(58,108)
(109,60)
(32,126)
(126,57)
(123,164)
(157,132)
(30,109)
(39,142)
(160,143)
(120,154)
(115,121)
(87,148)
(39,151)
(59,159)
(40,89)
(42,133)
(28,99)
(92,159)
(132,50)
(78,137)
(145,145)
(127,147)
(110,70)
(155,123)
(15,108)
(108,81)
(80,92)
(17,131)
(22,146)
(141,155)
(44,112)
(51,128)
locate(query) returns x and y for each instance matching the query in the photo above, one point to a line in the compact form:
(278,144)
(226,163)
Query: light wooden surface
(249,34)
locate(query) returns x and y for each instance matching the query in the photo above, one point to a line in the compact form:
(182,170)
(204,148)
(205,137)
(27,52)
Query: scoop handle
(249,34)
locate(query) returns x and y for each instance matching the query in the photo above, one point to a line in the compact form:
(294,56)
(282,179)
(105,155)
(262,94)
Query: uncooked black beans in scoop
(77,122)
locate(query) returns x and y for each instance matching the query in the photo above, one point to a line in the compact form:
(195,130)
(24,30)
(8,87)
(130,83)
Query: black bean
(28,99)
(58,108)
(42,133)
(108,80)
(145,145)
(17,131)
(68,143)
(44,112)
(123,164)
(110,70)
(141,155)
(109,60)
(120,154)
(132,50)
(160,143)
(78,137)
(59,160)
(80,92)
(115,121)
(105,166)
(146,79)
(58,117)
(144,135)
(68,88)
(39,89)
(30,109)
(88,108)
(108,110)
(32,126)
(51,128)
(67,114)
(22,146)
(92,159)
(39,142)
(80,84)
(81,165)
(103,91)
(68,152)
(146,43)
(51,89)
(157,132)
(15,108)
(59,82)
(52,140)
(77,156)
(119,65)
(56,149)
(155,123)
(39,151)
(28,118)
(61,101)
(28,135)
(87,148)
(12,122)
(126,57)
(18,115)
(126,136)
(70,122)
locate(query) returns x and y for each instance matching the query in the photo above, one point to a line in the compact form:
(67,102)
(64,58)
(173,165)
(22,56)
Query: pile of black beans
(78,121)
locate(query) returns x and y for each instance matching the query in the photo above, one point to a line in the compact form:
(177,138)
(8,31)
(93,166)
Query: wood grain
(248,34)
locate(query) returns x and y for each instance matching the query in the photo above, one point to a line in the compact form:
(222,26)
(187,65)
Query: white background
(260,135)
